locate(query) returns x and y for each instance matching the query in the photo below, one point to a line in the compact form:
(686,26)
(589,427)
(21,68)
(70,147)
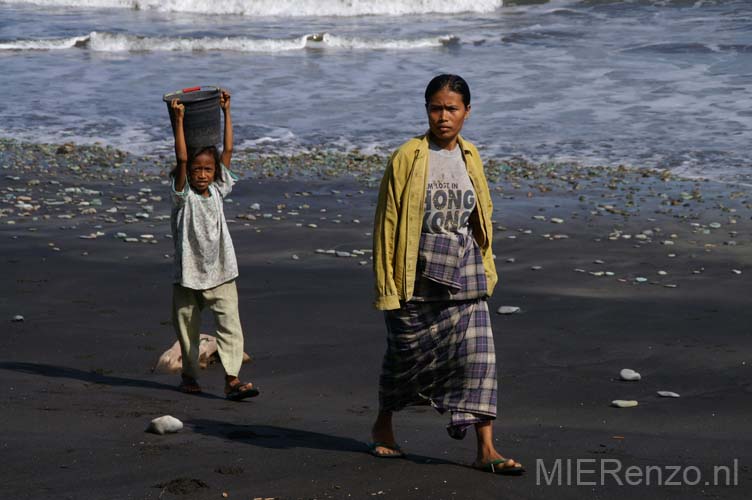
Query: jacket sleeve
(487,251)
(384,240)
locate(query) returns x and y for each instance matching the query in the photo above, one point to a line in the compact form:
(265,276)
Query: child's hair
(193,153)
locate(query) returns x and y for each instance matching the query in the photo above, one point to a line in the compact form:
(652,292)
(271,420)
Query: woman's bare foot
(488,458)
(384,444)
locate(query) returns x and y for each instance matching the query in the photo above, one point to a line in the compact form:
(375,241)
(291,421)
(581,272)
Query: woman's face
(446,115)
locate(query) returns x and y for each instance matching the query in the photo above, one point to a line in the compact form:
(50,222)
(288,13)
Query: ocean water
(643,83)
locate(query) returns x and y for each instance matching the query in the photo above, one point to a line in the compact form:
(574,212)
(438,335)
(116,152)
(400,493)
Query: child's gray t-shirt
(450,196)
(204,254)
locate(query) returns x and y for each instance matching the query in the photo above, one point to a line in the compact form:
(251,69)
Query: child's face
(201,172)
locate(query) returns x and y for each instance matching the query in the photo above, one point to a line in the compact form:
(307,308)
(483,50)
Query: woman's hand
(224,100)
(178,109)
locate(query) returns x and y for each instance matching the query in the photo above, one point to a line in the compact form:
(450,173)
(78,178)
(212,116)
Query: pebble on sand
(166,424)
(668,394)
(17,318)
(622,403)
(629,375)
(508,310)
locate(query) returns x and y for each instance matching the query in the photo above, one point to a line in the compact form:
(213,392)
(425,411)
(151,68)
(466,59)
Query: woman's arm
(224,103)
(181,151)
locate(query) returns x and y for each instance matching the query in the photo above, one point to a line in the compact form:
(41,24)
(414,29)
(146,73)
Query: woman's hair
(193,153)
(454,83)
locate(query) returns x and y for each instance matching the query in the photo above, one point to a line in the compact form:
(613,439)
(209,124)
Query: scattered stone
(255,206)
(342,253)
(536,268)
(736,271)
(17,318)
(629,375)
(640,279)
(621,403)
(668,394)
(556,220)
(312,226)
(508,310)
(295,257)
(166,424)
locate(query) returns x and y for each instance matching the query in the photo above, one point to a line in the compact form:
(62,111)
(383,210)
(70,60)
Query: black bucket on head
(202,124)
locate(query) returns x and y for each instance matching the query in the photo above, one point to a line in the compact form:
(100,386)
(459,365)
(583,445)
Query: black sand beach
(77,391)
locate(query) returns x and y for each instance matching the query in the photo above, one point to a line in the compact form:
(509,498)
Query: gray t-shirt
(204,254)
(450,196)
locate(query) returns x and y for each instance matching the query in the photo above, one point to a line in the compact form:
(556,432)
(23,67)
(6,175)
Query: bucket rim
(202,88)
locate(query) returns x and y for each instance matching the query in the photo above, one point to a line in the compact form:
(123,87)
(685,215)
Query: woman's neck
(448,144)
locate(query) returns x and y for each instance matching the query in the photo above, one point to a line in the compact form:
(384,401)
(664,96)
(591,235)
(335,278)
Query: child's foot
(236,390)
(189,385)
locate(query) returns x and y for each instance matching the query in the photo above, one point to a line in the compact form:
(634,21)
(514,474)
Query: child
(205,264)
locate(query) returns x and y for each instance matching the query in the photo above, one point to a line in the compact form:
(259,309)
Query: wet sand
(77,390)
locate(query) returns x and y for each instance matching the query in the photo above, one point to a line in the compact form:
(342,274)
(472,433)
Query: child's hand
(178,109)
(224,100)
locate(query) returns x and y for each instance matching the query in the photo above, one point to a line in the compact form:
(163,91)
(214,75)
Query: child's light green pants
(187,305)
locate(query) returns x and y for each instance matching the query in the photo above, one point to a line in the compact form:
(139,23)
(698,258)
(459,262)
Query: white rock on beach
(668,394)
(508,310)
(629,375)
(18,318)
(622,403)
(166,424)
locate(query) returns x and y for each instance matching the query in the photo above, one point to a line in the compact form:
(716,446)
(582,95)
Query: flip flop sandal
(380,454)
(241,391)
(498,466)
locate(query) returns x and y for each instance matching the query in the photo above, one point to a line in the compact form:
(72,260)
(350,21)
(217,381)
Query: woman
(434,270)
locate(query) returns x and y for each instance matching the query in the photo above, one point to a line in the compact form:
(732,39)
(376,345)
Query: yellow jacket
(399,220)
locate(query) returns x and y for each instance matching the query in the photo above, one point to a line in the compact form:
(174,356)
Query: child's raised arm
(224,103)
(181,151)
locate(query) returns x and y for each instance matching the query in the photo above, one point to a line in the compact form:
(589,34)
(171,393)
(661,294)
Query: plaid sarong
(440,348)
(450,267)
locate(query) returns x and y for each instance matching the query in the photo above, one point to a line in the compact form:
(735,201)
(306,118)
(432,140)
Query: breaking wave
(283,8)
(116,42)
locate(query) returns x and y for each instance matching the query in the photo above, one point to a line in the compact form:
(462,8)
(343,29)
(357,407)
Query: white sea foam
(284,8)
(45,44)
(117,42)
(404,44)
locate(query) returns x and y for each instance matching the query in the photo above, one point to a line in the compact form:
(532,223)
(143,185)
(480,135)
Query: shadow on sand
(90,377)
(281,438)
